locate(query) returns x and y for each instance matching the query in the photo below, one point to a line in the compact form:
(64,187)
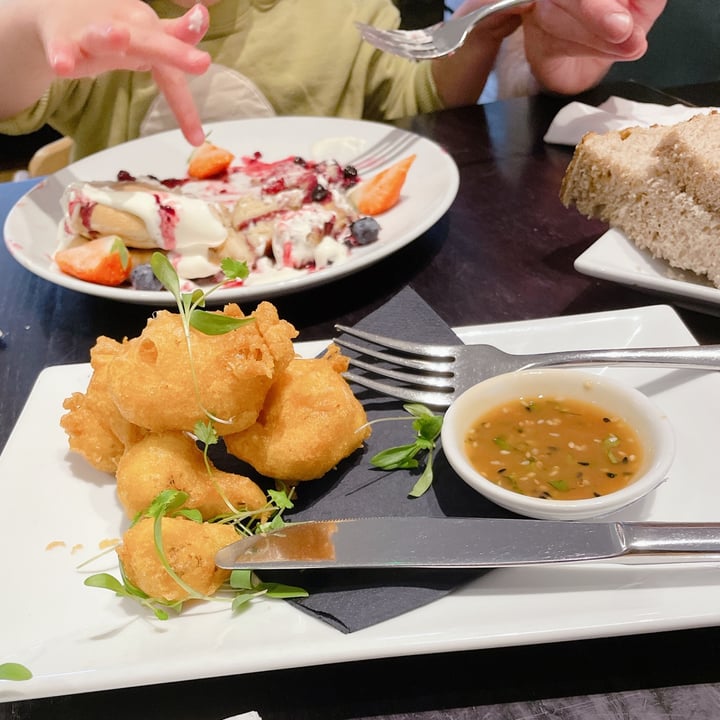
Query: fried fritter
(310,421)
(157,385)
(189,547)
(94,426)
(173,461)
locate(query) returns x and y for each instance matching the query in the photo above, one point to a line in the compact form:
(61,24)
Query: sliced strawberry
(209,161)
(104,261)
(382,191)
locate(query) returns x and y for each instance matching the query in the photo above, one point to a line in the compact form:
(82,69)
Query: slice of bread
(690,154)
(650,183)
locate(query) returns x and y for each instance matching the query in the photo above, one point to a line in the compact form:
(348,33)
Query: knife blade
(412,542)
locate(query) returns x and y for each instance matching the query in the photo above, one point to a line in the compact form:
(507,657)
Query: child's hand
(128,35)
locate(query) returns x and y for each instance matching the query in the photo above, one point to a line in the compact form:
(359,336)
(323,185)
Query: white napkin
(252,715)
(576,118)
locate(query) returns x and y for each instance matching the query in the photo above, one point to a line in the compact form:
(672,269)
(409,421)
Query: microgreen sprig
(189,306)
(427,428)
(249,587)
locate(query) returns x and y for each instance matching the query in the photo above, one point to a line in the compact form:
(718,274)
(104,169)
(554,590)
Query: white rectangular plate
(614,257)
(78,639)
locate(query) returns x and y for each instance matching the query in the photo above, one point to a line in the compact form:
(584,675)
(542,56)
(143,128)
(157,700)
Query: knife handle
(669,538)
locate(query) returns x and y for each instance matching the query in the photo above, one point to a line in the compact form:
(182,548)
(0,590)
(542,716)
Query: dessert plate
(58,512)
(614,257)
(432,183)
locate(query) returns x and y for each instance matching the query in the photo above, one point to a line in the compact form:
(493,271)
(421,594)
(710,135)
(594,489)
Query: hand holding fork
(570,44)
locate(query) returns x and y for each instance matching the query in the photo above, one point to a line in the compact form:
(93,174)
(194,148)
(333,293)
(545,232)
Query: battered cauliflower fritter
(94,426)
(190,548)
(310,421)
(173,461)
(151,378)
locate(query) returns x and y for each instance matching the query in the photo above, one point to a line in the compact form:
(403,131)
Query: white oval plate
(430,188)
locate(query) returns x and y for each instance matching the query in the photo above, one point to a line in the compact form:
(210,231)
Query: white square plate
(614,257)
(78,639)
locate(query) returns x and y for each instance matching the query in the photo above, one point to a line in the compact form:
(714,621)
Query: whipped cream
(188,227)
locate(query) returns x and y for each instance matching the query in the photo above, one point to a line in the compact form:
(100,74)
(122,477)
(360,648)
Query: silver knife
(413,542)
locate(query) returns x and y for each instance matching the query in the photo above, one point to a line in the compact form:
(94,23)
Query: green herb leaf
(424,481)
(105,581)
(119,247)
(559,485)
(193,300)
(212,323)
(165,273)
(394,458)
(281,498)
(206,433)
(166,503)
(429,427)
(14,671)
(241,580)
(248,587)
(418,410)
(191,514)
(283,592)
(234,269)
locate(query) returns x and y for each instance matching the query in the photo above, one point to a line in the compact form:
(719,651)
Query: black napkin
(352,600)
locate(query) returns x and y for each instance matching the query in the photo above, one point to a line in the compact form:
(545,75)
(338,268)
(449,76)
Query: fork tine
(406,37)
(434,351)
(385,150)
(429,398)
(430,366)
(438,382)
(381,145)
(398,44)
(385,155)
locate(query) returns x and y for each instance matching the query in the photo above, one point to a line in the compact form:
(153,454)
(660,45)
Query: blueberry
(319,193)
(143,278)
(365,230)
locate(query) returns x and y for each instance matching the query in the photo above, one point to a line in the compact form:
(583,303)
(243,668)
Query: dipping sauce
(558,448)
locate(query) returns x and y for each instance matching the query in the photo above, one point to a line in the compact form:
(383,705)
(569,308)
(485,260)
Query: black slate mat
(352,600)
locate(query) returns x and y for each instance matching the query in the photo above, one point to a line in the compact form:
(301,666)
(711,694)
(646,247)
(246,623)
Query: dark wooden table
(503,252)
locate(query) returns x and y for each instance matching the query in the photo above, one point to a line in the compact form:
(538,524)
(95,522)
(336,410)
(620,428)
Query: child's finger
(173,85)
(191,27)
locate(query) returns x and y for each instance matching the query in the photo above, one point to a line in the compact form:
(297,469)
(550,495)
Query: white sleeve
(514,76)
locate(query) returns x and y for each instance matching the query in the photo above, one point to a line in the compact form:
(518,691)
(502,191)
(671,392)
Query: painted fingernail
(619,24)
(196,19)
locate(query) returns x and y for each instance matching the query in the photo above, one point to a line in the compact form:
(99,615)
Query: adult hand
(571,44)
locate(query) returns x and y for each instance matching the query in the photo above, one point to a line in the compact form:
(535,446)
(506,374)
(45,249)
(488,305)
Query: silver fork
(435,41)
(443,372)
(389,148)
